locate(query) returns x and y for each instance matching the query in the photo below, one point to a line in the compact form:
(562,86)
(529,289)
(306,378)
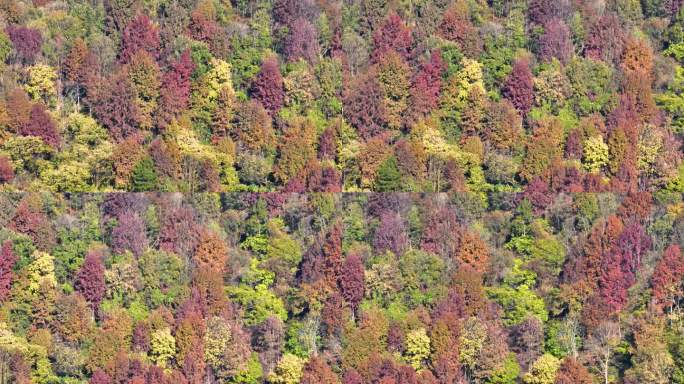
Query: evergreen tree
(144,176)
(389,176)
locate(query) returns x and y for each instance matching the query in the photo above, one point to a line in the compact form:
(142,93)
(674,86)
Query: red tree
(139,34)
(393,35)
(519,86)
(129,234)
(541,11)
(100,377)
(426,85)
(352,285)
(316,371)
(613,285)
(605,40)
(667,278)
(211,252)
(573,145)
(6,170)
(90,280)
(175,90)
(202,28)
(20,369)
(555,42)
(29,220)
(391,234)
(7,261)
(141,337)
(352,377)
(286,12)
(572,372)
(113,102)
(538,194)
(363,105)
(267,87)
(632,245)
(332,253)
(440,234)
(457,27)
(315,178)
(301,41)
(116,205)
(26,42)
(526,340)
(327,145)
(40,124)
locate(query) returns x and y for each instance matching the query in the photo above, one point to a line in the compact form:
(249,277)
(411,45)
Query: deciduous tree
(7,261)
(90,280)
(393,35)
(40,124)
(26,42)
(667,279)
(519,86)
(352,285)
(140,34)
(267,87)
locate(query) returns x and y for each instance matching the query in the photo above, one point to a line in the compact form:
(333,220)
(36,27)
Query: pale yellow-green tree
(650,145)
(84,164)
(543,371)
(41,83)
(41,271)
(595,154)
(288,370)
(301,88)
(218,77)
(417,348)
(35,355)
(393,75)
(471,341)
(145,77)
(28,153)
(162,346)
(216,340)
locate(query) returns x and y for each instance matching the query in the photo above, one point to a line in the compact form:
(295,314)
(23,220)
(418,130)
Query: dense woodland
(527,228)
(341,95)
(319,288)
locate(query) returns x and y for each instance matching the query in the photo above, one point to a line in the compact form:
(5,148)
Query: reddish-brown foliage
(26,41)
(393,35)
(40,124)
(519,86)
(267,87)
(139,35)
(90,280)
(7,261)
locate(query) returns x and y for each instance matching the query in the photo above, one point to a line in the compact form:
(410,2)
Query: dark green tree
(144,176)
(389,177)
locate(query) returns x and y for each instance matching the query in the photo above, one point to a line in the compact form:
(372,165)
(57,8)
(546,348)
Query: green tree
(144,176)
(256,298)
(508,373)
(672,100)
(389,177)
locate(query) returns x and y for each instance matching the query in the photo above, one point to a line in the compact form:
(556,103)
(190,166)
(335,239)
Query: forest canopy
(333,95)
(163,288)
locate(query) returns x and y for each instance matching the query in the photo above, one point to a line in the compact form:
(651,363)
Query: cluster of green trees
(321,288)
(332,95)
